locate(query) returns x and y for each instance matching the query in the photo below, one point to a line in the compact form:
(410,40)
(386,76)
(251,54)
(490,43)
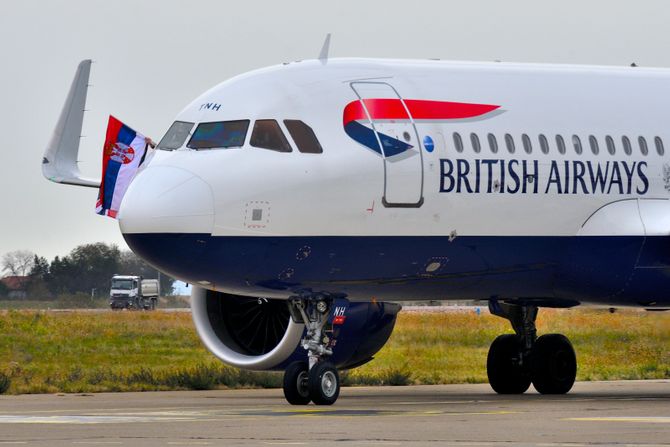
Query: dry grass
(452,347)
(84,352)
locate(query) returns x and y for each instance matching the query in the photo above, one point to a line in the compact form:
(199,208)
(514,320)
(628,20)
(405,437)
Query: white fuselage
(435,188)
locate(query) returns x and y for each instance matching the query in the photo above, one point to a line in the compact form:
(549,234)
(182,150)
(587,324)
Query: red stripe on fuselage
(443,110)
(353,112)
(386,109)
(389,109)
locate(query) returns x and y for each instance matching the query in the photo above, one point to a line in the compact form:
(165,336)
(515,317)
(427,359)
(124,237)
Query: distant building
(16,285)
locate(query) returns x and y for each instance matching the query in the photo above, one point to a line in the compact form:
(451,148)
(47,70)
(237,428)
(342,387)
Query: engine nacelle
(258,333)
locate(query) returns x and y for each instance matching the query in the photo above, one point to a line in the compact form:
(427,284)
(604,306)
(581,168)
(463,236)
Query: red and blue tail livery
(358,115)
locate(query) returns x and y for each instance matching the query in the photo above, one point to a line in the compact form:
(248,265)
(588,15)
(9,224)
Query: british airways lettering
(524,176)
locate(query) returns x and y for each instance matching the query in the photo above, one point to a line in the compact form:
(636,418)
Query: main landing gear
(517,360)
(316,380)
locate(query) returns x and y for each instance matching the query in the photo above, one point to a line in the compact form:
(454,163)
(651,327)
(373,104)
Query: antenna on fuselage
(323,55)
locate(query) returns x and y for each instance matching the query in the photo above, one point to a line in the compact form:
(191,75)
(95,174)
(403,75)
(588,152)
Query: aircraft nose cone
(164,199)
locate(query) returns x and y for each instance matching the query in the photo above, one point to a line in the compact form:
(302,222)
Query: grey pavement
(626,413)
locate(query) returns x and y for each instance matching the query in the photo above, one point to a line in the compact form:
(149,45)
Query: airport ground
(628,413)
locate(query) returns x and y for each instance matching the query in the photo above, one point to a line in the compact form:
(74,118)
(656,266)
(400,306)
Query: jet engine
(259,334)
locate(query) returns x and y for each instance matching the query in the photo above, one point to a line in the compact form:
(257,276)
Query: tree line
(88,269)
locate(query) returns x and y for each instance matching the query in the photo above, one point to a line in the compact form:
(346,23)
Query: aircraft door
(399,142)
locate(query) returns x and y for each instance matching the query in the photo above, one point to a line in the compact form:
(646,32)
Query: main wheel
(324,384)
(553,364)
(507,374)
(296,380)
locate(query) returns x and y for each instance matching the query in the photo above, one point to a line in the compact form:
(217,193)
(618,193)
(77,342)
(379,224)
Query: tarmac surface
(630,413)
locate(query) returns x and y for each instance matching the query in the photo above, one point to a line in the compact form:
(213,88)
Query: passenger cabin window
(476,146)
(219,135)
(560,143)
(593,142)
(627,147)
(175,136)
(509,142)
(458,142)
(527,146)
(493,143)
(268,135)
(609,142)
(659,146)
(577,143)
(644,150)
(304,137)
(544,144)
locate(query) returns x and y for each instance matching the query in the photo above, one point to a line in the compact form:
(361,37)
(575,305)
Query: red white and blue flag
(123,153)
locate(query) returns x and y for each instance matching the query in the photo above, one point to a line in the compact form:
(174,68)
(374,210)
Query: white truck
(133,292)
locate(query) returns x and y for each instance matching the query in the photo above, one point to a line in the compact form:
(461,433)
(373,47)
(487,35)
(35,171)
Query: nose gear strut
(318,379)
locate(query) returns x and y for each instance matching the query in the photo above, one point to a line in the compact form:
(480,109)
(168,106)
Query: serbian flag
(122,155)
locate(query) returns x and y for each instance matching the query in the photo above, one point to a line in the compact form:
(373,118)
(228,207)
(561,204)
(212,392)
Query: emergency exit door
(398,143)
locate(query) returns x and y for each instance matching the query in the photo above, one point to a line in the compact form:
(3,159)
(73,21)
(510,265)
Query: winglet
(60,158)
(323,55)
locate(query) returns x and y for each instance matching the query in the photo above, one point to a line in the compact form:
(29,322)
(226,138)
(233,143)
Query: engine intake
(258,333)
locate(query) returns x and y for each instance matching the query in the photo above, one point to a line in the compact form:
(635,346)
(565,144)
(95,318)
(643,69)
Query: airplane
(303,201)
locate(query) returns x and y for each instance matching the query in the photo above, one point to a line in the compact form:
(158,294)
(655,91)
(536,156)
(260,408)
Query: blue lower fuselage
(551,270)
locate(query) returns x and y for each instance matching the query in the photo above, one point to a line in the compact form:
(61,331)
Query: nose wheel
(296,381)
(316,380)
(320,385)
(324,384)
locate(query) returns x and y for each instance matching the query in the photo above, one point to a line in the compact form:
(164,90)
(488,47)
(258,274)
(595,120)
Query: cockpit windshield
(221,134)
(175,136)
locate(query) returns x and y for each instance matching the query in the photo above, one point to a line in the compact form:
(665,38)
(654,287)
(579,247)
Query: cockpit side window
(220,134)
(304,137)
(268,135)
(175,136)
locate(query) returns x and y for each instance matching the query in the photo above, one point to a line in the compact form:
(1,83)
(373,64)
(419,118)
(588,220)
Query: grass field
(47,352)
(81,301)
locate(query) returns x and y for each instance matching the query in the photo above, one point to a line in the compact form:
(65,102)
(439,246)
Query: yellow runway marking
(649,419)
(189,443)
(383,413)
(284,443)
(98,442)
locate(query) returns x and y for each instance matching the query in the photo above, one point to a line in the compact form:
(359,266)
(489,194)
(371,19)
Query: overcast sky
(153,57)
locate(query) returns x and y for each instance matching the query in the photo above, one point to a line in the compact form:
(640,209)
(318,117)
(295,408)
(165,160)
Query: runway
(630,413)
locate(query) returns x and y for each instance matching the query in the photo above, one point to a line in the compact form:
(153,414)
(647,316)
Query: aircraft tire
(553,364)
(324,383)
(506,375)
(296,389)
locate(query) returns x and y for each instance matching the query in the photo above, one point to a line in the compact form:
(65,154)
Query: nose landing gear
(317,380)
(516,360)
